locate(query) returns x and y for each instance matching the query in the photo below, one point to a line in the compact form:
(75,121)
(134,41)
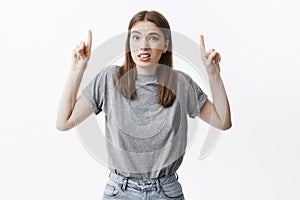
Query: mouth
(144,57)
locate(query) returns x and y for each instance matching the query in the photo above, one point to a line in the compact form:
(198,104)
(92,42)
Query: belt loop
(124,184)
(157,185)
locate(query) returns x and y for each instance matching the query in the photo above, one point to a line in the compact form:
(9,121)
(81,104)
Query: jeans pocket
(172,190)
(112,191)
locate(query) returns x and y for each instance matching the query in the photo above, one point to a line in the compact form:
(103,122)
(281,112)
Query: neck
(148,70)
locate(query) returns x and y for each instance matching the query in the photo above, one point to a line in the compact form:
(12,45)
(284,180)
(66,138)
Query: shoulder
(186,81)
(107,71)
(182,76)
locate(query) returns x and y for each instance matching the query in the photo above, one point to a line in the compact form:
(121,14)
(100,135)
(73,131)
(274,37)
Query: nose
(144,44)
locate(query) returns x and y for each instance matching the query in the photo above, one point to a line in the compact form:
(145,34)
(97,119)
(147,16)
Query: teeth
(144,56)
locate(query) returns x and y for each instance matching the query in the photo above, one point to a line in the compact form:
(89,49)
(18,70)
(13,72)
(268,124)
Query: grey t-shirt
(143,139)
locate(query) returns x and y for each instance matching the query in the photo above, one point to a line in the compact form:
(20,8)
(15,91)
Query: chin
(145,64)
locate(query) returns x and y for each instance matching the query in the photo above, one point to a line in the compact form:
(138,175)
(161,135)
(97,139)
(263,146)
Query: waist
(137,183)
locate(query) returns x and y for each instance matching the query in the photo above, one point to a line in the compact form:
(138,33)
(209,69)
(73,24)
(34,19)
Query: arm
(72,111)
(217,113)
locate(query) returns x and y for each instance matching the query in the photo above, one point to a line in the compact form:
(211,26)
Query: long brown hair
(126,74)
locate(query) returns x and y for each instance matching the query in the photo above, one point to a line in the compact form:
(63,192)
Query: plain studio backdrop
(258,158)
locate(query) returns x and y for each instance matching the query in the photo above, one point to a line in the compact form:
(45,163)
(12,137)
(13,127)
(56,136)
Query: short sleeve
(95,90)
(195,98)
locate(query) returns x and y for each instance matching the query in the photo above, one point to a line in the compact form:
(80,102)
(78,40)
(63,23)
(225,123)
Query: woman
(146,103)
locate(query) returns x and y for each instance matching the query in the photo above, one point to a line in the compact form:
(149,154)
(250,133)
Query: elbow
(62,126)
(226,126)
(223,126)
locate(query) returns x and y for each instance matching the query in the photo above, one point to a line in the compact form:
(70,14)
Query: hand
(210,58)
(81,54)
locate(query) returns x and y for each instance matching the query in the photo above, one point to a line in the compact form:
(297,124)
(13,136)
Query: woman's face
(147,43)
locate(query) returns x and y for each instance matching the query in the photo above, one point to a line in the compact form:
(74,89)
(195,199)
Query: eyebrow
(151,33)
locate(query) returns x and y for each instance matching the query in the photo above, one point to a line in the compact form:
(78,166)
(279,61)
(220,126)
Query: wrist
(77,72)
(214,76)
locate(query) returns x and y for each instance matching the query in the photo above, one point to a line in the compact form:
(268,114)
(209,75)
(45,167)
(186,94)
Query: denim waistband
(142,184)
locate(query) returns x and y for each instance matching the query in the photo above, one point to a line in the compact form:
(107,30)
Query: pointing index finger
(89,42)
(202,45)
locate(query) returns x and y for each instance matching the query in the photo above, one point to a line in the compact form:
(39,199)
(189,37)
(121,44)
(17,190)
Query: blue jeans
(122,188)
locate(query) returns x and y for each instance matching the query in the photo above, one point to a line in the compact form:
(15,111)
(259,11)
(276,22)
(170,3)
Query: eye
(135,37)
(154,38)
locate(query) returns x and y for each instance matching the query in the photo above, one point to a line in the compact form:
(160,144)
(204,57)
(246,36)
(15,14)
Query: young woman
(146,103)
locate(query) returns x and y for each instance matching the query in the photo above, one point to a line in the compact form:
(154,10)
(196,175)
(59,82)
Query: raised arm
(72,111)
(216,113)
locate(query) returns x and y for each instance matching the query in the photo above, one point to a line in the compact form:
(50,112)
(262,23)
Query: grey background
(258,40)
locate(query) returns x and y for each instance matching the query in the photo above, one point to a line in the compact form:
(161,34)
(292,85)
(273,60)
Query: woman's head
(148,43)
(149,33)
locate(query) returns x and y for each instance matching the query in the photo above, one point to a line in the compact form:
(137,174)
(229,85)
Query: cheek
(157,53)
(134,46)
(133,50)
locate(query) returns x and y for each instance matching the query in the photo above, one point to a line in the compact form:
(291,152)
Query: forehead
(145,27)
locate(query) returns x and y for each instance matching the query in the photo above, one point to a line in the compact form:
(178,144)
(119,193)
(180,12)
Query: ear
(166,46)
